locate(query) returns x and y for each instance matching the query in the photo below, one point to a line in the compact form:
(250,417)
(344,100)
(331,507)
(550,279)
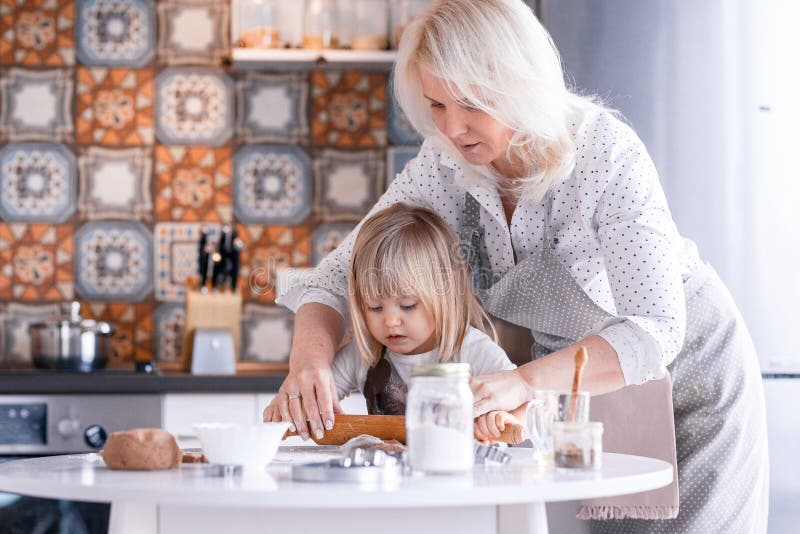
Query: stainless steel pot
(70,342)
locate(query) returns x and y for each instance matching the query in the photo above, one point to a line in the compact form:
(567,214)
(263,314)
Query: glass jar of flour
(439,423)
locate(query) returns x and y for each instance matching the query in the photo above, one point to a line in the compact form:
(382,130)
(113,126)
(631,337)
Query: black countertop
(19,381)
(34,381)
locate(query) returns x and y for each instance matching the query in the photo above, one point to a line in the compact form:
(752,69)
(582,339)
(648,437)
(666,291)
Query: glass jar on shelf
(370,25)
(403,12)
(321,24)
(258,24)
(439,425)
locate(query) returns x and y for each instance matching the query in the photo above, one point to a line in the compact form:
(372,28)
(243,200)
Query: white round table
(506,499)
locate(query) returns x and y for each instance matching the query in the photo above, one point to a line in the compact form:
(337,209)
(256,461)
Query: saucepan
(70,342)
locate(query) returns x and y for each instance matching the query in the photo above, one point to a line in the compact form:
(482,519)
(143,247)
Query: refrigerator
(711,88)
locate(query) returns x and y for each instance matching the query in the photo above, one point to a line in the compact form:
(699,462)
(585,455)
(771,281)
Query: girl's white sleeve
(484,355)
(327,283)
(349,371)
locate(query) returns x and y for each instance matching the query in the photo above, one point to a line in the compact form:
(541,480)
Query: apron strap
(473,246)
(384,391)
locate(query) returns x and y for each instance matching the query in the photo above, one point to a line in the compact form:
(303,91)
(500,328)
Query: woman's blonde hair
(404,250)
(495,56)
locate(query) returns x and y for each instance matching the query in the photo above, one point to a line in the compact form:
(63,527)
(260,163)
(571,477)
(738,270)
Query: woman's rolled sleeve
(637,237)
(640,356)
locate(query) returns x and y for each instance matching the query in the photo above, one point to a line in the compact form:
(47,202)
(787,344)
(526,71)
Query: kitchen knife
(202,258)
(219,267)
(213,261)
(388,427)
(238,245)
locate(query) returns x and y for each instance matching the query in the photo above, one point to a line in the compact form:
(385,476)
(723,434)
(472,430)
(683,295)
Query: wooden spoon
(581,357)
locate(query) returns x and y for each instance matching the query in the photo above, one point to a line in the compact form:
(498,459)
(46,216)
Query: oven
(45,425)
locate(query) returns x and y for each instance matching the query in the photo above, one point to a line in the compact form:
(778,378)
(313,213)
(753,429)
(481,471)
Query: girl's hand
(489,425)
(307,398)
(505,390)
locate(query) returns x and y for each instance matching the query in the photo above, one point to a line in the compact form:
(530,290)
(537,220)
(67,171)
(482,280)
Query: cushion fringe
(627,512)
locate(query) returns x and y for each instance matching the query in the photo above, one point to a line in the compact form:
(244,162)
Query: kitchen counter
(35,381)
(24,381)
(501,499)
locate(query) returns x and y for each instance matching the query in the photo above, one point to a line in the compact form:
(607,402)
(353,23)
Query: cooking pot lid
(71,318)
(86,325)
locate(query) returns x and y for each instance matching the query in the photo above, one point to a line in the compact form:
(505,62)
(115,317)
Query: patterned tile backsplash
(125,132)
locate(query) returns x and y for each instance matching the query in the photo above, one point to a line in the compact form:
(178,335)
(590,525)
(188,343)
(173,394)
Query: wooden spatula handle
(388,427)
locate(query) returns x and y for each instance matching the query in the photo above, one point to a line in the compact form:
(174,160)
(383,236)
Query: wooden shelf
(261,58)
(247,368)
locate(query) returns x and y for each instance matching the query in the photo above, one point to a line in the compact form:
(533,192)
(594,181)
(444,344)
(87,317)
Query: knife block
(222,309)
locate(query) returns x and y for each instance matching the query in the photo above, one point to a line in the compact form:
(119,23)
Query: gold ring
(293,396)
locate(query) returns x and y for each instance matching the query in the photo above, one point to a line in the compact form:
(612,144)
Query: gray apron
(717,395)
(384,390)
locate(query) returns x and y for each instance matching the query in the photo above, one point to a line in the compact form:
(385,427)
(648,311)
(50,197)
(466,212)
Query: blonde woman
(410,303)
(569,235)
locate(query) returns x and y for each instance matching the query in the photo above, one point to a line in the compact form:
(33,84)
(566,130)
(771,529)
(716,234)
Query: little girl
(410,302)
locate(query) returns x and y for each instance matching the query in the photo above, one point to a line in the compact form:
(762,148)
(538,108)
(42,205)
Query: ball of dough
(142,449)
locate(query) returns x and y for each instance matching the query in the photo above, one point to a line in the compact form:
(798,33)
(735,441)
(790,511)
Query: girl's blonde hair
(495,56)
(404,250)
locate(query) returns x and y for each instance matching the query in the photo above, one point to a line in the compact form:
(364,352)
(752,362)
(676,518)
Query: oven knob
(68,426)
(95,436)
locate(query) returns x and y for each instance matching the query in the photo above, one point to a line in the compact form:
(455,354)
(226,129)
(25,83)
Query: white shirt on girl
(482,354)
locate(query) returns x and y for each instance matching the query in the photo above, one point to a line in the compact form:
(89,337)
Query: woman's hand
(489,425)
(505,390)
(307,398)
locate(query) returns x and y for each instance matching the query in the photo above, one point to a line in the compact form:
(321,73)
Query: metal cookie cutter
(364,466)
(485,454)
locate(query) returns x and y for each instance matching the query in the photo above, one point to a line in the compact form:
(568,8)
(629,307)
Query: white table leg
(133,518)
(522,519)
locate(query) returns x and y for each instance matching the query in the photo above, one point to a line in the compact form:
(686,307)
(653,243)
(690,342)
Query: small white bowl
(251,446)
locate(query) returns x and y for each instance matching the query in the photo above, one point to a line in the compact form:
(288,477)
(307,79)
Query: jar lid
(455,370)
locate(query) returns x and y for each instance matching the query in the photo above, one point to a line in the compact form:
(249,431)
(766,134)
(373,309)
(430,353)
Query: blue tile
(272,108)
(168,323)
(193,32)
(266,333)
(272,184)
(113,261)
(38,183)
(194,106)
(119,33)
(36,105)
(396,159)
(326,237)
(347,184)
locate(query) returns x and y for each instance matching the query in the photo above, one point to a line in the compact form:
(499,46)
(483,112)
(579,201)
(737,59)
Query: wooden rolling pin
(389,427)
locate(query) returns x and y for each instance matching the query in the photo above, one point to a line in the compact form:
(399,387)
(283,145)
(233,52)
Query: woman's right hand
(307,398)
(503,390)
